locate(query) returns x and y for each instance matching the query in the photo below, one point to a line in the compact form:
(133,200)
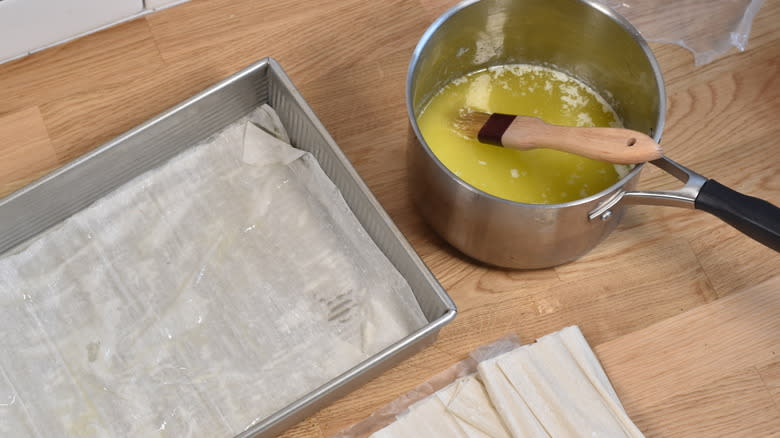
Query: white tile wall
(30,25)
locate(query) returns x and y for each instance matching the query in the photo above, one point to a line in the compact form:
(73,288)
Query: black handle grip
(755,217)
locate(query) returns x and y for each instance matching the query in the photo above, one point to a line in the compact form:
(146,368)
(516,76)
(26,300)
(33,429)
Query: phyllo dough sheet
(561,384)
(553,388)
(195,300)
(461,410)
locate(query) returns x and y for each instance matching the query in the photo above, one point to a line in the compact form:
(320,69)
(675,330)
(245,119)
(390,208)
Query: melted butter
(539,176)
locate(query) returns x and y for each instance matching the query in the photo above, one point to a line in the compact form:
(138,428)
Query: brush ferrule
(494,128)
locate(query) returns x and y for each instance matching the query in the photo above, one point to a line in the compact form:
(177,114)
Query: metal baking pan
(55,197)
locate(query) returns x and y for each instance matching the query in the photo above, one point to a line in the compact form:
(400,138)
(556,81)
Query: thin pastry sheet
(195,300)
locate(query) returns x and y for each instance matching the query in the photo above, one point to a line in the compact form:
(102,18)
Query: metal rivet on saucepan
(606,215)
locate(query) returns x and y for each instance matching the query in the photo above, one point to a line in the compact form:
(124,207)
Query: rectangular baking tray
(55,197)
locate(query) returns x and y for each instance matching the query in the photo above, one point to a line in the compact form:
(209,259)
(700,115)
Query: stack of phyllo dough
(554,388)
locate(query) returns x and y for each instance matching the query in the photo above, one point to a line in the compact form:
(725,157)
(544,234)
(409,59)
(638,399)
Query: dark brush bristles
(487,128)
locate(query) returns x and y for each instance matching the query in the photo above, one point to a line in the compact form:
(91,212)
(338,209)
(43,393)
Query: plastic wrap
(388,413)
(195,300)
(552,387)
(708,28)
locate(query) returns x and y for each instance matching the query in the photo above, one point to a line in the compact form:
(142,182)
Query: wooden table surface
(664,281)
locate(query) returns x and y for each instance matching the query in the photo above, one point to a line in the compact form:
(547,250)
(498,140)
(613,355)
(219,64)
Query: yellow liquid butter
(538,176)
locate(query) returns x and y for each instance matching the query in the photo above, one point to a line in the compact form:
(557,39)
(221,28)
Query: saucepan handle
(755,217)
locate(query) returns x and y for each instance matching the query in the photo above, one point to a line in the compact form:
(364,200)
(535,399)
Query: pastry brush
(614,145)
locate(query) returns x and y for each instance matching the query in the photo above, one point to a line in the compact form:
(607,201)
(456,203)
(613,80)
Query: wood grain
(733,406)
(680,355)
(614,145)
(25,150)
(770,375)
(113,56)
(114,108)
(713,371)
(663,279)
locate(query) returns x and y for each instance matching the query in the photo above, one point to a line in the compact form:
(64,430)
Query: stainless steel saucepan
(593,43)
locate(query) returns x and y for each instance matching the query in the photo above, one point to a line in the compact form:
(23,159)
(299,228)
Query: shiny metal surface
(53,198)
(684,197)
(580,37)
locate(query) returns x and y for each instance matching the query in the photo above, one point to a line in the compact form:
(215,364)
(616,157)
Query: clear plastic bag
(708,28)
(388,413)
(550,387)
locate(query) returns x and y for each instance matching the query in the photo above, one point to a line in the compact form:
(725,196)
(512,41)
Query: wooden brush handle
(614,145)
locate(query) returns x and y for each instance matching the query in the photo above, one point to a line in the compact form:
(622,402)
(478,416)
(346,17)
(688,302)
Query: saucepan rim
(609,12)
